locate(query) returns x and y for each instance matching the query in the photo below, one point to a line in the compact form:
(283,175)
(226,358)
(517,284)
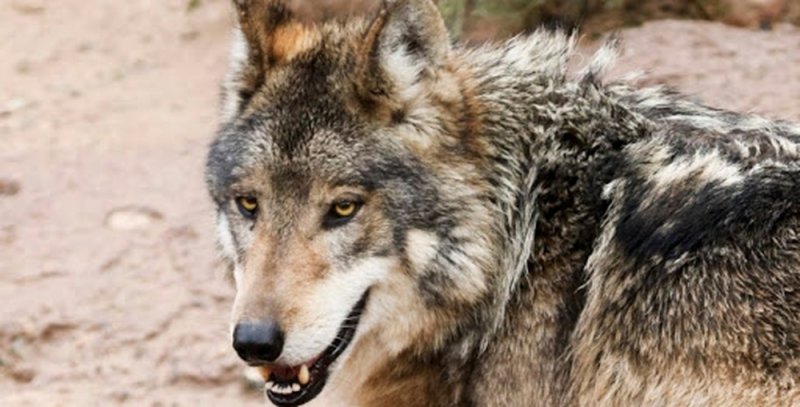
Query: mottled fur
(528,236)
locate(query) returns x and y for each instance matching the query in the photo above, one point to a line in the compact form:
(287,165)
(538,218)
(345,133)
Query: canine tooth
(265,371)
(304,376)
(269,385)
(295,387)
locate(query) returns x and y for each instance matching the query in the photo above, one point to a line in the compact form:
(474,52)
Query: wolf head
(352,204)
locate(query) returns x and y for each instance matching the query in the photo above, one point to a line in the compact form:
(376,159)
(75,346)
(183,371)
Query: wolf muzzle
(258,342)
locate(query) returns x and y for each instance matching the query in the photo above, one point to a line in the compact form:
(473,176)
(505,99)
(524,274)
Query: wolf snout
(258,342)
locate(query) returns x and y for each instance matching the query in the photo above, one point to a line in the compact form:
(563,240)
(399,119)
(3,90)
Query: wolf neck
(555,143)
(548,146)
(551,146)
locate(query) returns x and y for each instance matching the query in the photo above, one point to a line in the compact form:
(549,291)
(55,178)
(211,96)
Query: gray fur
(632,247)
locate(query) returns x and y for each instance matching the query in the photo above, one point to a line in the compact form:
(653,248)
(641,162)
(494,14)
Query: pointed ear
(417,28)
(257,22)
(407,38)
(268,34)
(273,33)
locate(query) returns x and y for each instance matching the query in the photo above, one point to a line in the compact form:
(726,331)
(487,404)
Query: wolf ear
(414,27)
(406,39)
(268,34)
(272,31)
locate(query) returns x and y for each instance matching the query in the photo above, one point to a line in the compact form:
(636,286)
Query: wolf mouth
(295,385)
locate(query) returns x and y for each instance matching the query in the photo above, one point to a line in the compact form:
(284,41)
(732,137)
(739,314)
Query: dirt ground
(110,291)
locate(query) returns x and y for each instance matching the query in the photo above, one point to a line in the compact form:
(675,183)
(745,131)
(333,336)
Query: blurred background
(486,19)
(110,290)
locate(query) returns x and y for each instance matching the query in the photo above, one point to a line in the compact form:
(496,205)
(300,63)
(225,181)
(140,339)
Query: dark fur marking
(398,116)
(224,155)
(700,218)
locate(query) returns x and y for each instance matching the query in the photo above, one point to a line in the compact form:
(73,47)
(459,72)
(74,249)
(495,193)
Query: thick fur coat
(527,235)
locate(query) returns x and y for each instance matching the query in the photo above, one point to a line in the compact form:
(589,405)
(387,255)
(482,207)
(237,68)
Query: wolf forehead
(247,155)
(287,155)
(294,122)
(291,111)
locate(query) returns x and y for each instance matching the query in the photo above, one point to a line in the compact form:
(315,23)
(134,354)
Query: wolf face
(348,239)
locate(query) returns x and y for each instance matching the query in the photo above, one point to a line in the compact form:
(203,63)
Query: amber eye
(345,209)
(340,213)
(247,206)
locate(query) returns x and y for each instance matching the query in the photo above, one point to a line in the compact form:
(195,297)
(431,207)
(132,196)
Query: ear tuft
(274,34)
(269,33)
(406,38)
(416,27)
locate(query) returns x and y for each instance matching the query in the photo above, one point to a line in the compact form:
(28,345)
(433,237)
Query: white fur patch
(396,300)
(785,147)
(333,299)
(702,122)
(653,97)
(405,72)
(237,60)
(225,240)
(224,236)
(710,167)
(539,53)
(421,246)
(602,60)
(469,275)
(608,189)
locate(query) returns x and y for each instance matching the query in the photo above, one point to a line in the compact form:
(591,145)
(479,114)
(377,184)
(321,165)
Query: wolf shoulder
(695,279)
(691,190)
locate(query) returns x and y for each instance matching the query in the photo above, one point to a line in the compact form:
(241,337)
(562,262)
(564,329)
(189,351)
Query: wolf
(413,222)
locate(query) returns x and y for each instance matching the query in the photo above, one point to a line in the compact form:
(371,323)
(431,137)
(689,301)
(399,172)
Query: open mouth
(296,385)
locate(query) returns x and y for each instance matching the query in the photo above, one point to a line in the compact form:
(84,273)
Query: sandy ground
(110,292)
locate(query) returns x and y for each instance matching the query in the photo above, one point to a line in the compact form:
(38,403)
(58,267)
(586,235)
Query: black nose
(258,342)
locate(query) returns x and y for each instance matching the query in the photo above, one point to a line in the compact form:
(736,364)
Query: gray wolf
(411,222)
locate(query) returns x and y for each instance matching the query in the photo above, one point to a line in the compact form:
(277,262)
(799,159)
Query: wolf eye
(247,206)
(344,209)
(341,212)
